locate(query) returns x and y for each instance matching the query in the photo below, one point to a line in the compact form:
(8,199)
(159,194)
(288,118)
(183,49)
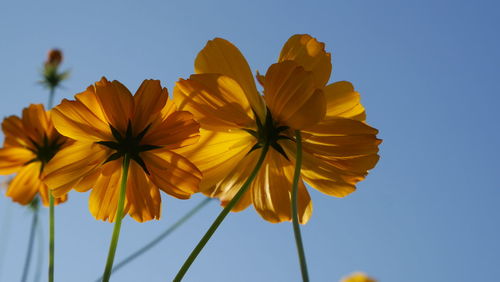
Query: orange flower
(109,123)
(358,277)
(338,146)
(30,145)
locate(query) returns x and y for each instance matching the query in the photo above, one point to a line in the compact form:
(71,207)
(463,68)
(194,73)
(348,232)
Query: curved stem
(295,218)
(27,261)
(118,223)
(160,237)
(221,216)
(39,260)
(51,237)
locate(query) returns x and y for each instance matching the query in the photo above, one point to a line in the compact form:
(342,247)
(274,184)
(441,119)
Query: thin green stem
(160,237)
(295,218)
(221,216)
(118,223)
(51,97)
(51,237)
(31,239)
(39,261)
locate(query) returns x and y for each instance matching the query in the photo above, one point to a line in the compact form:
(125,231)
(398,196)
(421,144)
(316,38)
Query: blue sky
(428,74)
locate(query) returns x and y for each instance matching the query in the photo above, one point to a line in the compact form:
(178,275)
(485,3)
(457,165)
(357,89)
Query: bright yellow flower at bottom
(358,277)
(30,145)
(109,123)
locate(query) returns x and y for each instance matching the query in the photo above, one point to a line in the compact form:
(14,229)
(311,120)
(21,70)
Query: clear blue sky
(428,72)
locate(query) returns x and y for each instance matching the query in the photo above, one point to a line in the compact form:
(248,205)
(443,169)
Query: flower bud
(54,57)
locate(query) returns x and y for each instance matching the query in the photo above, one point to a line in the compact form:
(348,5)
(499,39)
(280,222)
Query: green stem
(27,261)
(221,216)
(118,223)
(51,237)
(51,97)
(295,218)
(160,237)
(39,261)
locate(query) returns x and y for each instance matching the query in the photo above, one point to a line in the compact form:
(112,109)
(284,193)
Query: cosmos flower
(338,146)
(30,144)
(107,122)
(358,277)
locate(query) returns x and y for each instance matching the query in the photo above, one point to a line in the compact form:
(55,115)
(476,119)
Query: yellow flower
(108,122)
(338,146)
(357,277)
(30,144)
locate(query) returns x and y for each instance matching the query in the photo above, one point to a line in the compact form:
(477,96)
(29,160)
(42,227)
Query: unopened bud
(54,57)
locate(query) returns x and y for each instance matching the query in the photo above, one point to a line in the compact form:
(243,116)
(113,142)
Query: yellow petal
(103,200)
(309,53)
(35,122)
(343,101)
(272,188)
(13,129)
(221,57)
(117,102)
(143,196)
(74,120)
(292,97)
(172,173)
(216,154)
(149,100)
(216,101)
(44,195)
(13,158)
(25,185)
(179,129)
(73,163)
(358,277)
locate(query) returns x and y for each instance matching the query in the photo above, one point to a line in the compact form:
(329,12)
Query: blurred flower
(338,146)
(358,277)
(108,123)
(30,144)
(54,57)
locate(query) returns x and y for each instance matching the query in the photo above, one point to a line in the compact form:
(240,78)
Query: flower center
(128,144)
(46,150)
(269,132)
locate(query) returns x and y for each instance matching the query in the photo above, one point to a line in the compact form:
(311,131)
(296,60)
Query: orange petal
(216,101)
(172,173)
(44,195)
(272,188)
(35,122)
(343,101)
(292,97)
(26,184)
(73,163)
(103,200)
(143,196)
(309,53)
(117,102)
(221,57)
(13,158)
(217,153)
(178,130)
(13,129)
(149,100)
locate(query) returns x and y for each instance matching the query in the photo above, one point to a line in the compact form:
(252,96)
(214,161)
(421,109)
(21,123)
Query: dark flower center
(46,150)
(269,132)
(128,144)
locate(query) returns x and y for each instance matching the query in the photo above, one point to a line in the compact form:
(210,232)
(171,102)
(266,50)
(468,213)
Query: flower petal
(221,57)
(35,122)
(179,129)
(13,129)
(172,173)
(103,200)
(271,191)
(292,97)
(44,195)
(73,163)
(117,102)
(216,101)
(309,53)
(343,101)
(149,100)
(216,153)
(13,158)
(143,196)
(25,185)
